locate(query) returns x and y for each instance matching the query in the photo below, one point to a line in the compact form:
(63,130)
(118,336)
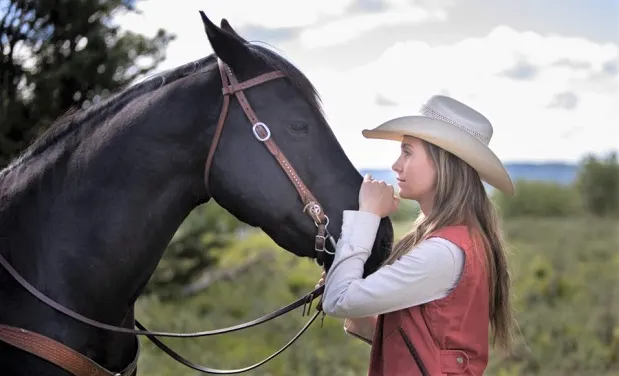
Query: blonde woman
(428,310)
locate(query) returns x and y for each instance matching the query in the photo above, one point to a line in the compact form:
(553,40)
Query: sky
(545,73)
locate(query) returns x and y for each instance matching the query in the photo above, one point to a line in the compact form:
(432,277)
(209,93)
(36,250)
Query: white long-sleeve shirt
(427,272)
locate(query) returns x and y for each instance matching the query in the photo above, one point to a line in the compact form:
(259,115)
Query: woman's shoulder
(440,247)
(458,235)
(451,229)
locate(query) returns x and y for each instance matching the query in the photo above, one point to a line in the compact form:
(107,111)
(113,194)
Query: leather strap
(173,354)
(265,136)
(78,364)
(231,89)
(45,299)
(227,90)
(231,86)
(216,136)
(59,354)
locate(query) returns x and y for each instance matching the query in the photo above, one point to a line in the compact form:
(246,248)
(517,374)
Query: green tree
(598,183)
(408,211)
(539,199)
(197,251)
(61,54)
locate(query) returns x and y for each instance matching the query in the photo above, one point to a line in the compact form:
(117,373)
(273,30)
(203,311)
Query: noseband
(80,365)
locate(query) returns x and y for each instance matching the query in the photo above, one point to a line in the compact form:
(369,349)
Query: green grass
(566,295)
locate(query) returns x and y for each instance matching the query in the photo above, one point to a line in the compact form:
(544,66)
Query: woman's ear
(228,47)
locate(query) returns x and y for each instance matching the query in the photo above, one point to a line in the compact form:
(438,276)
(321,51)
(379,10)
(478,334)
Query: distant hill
(562,173)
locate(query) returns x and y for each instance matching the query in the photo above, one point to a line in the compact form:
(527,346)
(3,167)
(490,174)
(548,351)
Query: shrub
(407,211)
(598,183)
(539,199)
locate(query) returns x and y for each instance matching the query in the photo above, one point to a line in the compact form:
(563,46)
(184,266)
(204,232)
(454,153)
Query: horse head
(247,180)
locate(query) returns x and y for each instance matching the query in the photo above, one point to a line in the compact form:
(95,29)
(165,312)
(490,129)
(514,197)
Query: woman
(428,309)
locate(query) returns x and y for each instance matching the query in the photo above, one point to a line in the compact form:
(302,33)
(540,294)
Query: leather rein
(80,365)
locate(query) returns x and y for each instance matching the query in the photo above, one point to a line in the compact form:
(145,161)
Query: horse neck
(90,231)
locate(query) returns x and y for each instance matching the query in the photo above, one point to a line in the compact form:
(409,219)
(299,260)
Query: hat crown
(460,115)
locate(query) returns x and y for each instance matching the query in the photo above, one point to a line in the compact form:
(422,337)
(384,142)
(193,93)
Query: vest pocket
(414,353)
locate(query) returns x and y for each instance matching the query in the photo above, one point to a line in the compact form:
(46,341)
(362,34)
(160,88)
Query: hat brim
(451,138)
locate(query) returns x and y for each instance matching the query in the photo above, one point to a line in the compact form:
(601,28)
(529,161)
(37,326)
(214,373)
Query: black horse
(88,209)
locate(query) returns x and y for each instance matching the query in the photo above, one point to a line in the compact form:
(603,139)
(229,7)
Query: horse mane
(68,130)
(296,77)
(65,128)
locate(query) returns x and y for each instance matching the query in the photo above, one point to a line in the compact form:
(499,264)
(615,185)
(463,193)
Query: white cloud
(192,44)
(265,13)
(322,22)
(471,71)
(348,27)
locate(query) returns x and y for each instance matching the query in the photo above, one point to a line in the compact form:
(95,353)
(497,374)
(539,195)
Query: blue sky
(596,20)
(545,73)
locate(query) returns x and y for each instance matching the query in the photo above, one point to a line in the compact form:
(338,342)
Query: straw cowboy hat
(455,127)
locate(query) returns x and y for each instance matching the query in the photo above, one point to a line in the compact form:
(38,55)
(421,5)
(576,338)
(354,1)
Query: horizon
(506,163)
(559,173)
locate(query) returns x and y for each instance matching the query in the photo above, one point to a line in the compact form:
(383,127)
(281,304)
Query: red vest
(444,337)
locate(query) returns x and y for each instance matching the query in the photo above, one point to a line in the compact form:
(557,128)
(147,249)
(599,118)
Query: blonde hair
(461,199)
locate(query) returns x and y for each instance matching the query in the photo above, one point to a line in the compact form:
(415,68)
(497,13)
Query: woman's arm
(427,273)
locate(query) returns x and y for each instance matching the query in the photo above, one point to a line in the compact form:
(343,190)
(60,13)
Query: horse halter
(231,86)
(80,365)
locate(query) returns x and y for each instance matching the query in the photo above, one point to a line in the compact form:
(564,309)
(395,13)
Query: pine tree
(61,54)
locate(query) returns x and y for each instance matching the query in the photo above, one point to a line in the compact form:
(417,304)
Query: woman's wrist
(368,209)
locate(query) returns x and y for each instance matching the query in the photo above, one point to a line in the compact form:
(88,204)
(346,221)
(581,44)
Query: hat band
(429,112)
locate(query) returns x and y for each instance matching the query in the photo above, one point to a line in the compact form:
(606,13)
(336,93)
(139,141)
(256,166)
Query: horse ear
(226,26)
(226,46)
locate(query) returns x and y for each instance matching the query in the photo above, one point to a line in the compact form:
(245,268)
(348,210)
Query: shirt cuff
(359,228)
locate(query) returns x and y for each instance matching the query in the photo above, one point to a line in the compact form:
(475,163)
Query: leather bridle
(80,365)
(231,86)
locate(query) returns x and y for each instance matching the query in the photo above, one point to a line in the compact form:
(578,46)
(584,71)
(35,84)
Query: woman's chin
(402,194)
(406,195)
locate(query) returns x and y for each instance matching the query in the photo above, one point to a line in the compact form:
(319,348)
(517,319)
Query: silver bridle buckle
(265,127)
(324,243)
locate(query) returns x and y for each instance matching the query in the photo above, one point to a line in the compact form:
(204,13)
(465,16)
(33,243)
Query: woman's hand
(321,281)
(378,197)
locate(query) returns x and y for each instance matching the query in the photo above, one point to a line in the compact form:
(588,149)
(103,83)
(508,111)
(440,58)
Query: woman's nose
(396,166)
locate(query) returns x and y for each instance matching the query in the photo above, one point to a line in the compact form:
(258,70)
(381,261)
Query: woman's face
(415,171)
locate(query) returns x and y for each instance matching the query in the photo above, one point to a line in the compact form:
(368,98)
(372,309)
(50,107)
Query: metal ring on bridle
(326,250)
(326,224)
(266,128)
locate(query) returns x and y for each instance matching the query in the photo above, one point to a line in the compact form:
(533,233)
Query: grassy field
(566,291)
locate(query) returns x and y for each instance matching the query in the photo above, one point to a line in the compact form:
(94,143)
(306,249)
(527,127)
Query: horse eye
(299,127)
